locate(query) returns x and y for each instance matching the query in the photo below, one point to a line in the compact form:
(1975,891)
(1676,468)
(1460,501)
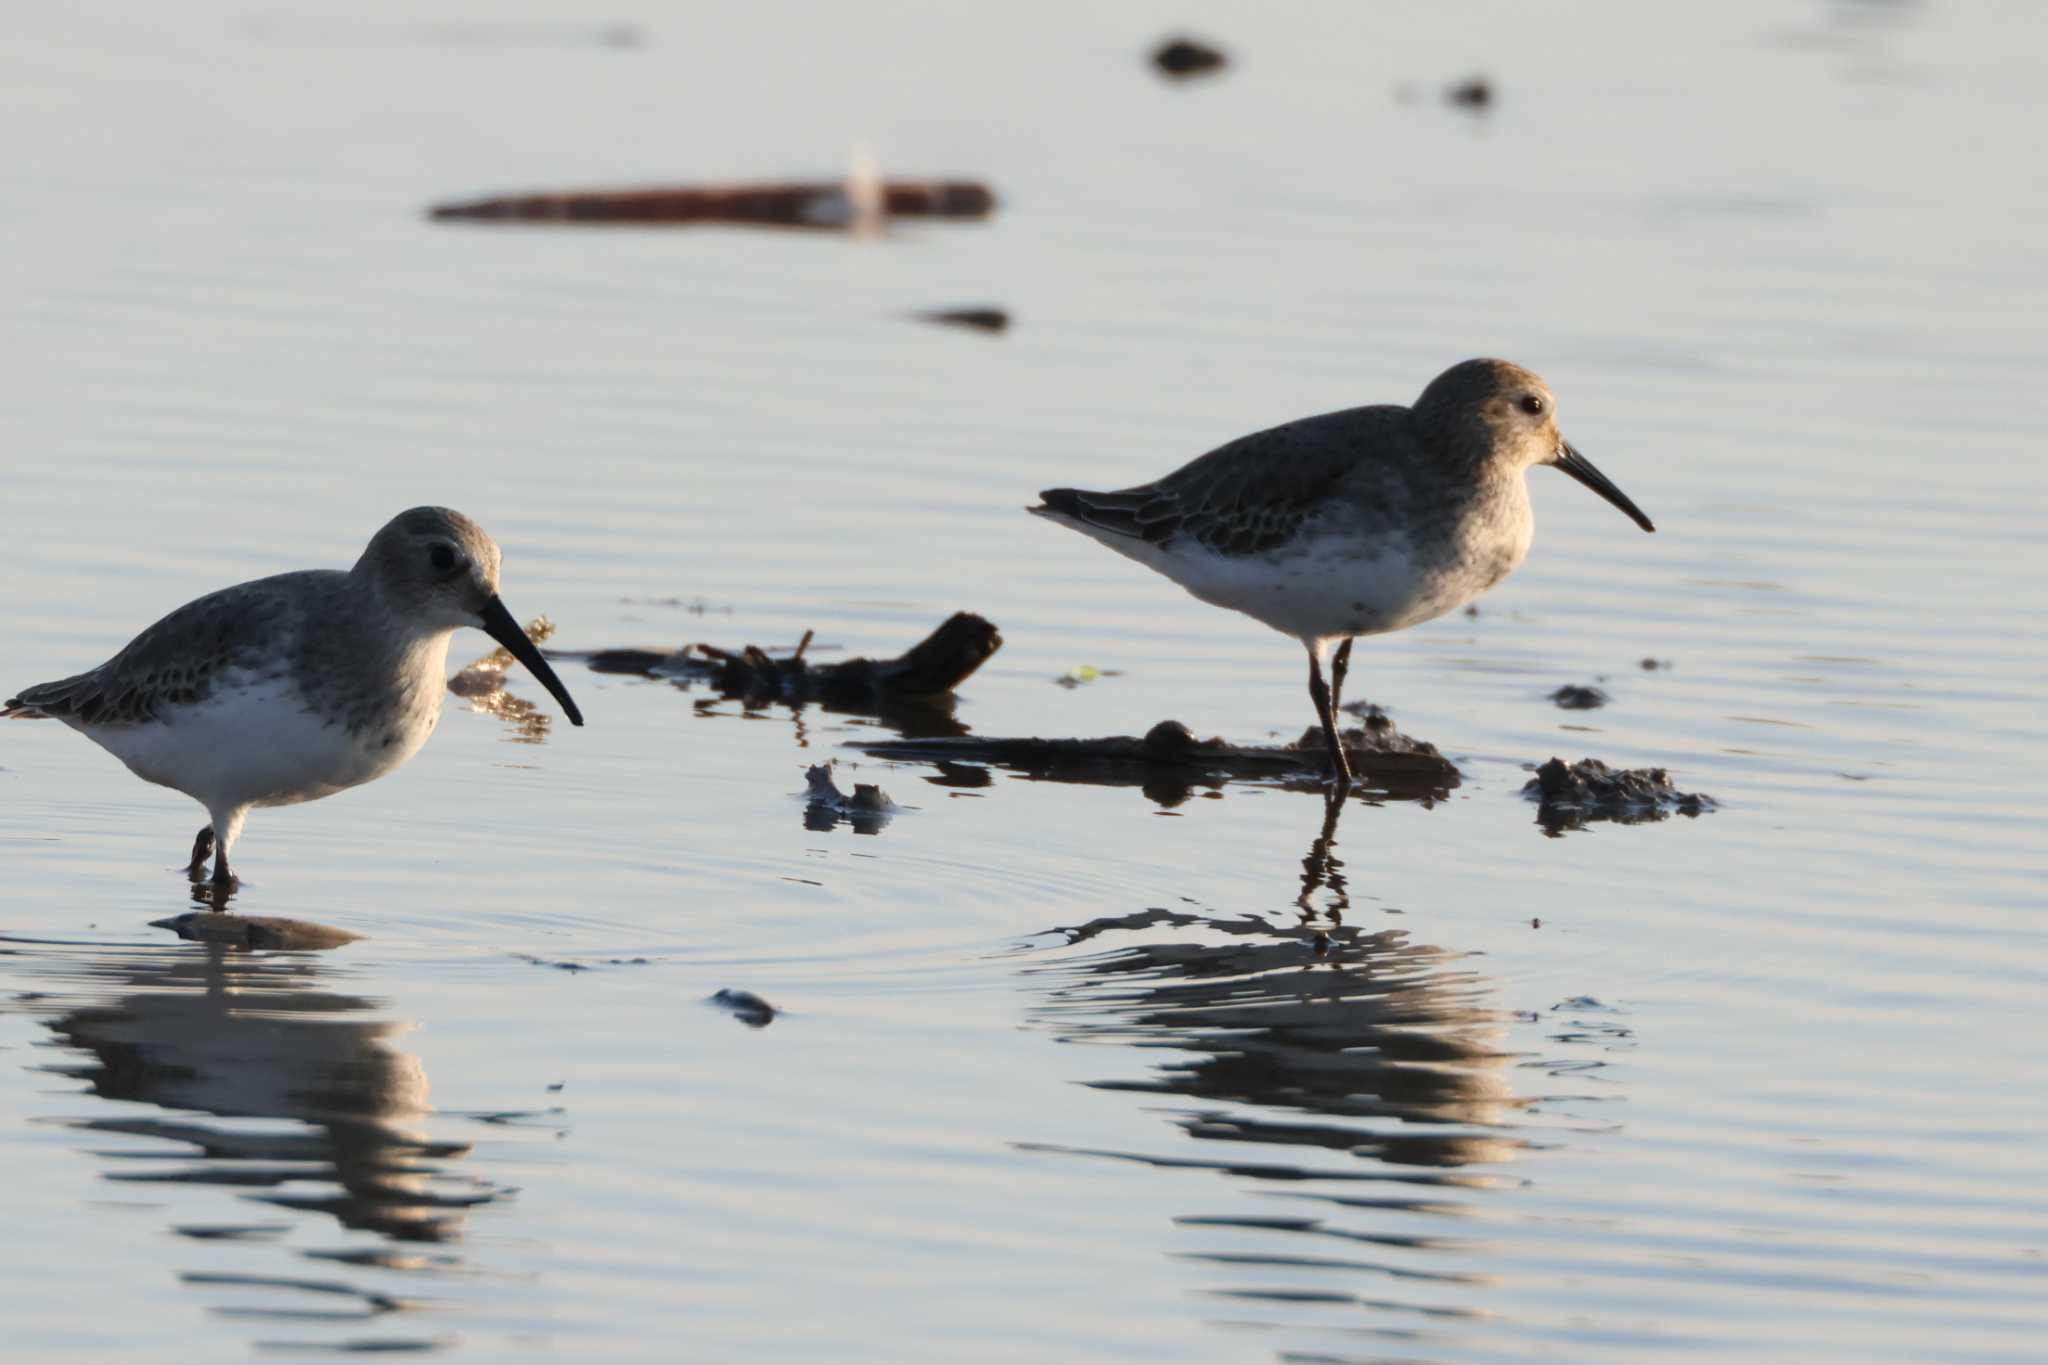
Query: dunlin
(1351,523)
(295,687)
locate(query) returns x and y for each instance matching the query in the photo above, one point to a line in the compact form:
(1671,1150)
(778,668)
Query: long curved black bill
(499,625)
(1582,469)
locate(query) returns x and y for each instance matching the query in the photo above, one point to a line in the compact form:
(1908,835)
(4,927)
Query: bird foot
(202,850)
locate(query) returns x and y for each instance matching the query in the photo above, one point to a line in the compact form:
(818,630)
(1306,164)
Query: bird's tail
(29,704)
(1140,513)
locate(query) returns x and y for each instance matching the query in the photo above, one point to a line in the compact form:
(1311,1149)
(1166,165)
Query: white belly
(256,744)
(1325,589)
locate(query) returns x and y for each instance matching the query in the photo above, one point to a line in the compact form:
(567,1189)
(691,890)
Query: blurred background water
(1063,1073)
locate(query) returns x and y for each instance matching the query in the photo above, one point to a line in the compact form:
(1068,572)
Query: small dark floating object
(745,1006)
(1170,758)
(231,1232)
(1182,56)
(1574,795)
(867,810)
(1652,665)
(1474,92)
(827,204)
(931,668)
(255,932)
(1572,697)
(979,319)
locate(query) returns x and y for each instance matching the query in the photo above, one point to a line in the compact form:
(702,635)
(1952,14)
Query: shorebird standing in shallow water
(295,687)
(1351,523)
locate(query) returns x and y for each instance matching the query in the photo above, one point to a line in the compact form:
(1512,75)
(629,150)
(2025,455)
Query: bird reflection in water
(1356,1074)
(228,1044)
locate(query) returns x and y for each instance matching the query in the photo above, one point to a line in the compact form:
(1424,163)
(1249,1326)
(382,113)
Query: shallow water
(1060,1073)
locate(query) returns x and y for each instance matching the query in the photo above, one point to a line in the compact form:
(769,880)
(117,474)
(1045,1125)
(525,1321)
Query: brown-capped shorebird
(295,687)
(1351,523)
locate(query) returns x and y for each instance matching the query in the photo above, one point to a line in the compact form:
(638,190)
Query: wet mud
(1573,795)
(826,807)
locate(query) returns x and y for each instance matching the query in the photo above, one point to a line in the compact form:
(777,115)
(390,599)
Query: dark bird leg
(1319,693)
(223,880)
(1340,664)
(202,849)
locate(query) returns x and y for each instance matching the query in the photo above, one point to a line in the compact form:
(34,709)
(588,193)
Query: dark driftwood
(932,668)
(802,204)
(255,931)
(1382,757)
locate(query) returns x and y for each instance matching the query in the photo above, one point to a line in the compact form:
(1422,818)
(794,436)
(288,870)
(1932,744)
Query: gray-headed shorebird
(1351,523)
(295,687)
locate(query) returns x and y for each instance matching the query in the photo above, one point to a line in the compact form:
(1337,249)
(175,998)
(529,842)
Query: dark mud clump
(1181,57)
(745,1006)
(1573,697)
(826,807)
(1574,795)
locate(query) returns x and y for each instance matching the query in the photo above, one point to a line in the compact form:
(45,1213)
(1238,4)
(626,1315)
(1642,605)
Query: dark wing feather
(174,662)
(1253,494)
(1141,513)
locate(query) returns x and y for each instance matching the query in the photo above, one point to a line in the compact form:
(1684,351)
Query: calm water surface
(1064,1072)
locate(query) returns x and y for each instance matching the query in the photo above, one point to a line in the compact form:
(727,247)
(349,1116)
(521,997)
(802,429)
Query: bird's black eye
(1532,405)
(443,558)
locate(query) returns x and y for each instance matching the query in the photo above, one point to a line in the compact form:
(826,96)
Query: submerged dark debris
(1573,795)
(1573,697)
(569,965)
(932,668)
(867,810)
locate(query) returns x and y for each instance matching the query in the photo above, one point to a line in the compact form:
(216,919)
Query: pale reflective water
(1062,1073)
